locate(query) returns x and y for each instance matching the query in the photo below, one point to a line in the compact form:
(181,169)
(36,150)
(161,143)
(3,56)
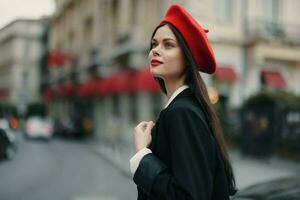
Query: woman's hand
(142,135)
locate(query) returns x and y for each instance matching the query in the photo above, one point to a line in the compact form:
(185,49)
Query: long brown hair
(198,87)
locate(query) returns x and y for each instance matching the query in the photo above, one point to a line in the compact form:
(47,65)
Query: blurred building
(224,19)
(21,50)
(97,61)
(98,56)
(256,44)
(272,46)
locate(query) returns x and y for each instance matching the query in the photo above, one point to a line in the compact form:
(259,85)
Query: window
(25,77)
(115,15)
(134,12)
(273,28)
(223,10)
(70,40)
(271,8)
(88,30)
(94,56)
(116,105)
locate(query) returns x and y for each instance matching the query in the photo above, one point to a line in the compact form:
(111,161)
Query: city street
(85,170)
(96,69)
(61,170)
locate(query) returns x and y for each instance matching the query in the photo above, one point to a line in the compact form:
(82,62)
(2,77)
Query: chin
(155,72)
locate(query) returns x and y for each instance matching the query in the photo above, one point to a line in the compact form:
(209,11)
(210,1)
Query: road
(74,170)
(61,170)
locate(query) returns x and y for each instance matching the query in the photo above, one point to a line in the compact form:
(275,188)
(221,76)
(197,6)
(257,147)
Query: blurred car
(279,189)
(7,144)
(64,128)
(37,127)
(5,125)
(78,128)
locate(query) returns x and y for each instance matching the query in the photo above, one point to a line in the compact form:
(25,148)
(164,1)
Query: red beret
(194,35)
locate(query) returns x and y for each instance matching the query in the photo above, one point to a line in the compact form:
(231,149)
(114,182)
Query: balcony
(273,31)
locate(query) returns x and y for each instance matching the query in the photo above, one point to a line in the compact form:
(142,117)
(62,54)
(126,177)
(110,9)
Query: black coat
(185,162)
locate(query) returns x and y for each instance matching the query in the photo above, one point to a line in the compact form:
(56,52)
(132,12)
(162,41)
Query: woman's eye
(153,44)
(169,45)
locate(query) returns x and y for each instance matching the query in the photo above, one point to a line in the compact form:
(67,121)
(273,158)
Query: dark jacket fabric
(185,163)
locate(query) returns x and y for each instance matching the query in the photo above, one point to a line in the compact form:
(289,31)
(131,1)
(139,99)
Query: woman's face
(166,58)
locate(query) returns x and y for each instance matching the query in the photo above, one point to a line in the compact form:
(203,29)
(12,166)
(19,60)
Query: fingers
(149,126)
(141,125)
(145,125)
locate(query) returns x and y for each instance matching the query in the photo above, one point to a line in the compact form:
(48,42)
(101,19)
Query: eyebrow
(165,39)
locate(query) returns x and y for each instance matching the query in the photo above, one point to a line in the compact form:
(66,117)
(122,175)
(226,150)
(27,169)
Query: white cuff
(136,159)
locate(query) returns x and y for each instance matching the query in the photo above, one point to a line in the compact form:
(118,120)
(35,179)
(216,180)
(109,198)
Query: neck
(172,86)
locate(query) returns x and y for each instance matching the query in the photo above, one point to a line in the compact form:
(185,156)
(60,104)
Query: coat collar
(175,94)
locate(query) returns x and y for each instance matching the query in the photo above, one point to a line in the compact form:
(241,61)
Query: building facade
(92,41)
(272,46)
(21,50)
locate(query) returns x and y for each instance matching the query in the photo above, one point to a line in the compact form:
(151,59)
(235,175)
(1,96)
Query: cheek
(176,62)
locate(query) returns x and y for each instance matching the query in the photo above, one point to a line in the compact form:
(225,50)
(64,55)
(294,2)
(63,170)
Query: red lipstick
(155,62)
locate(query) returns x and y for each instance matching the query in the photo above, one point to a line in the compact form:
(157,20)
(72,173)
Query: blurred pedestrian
(183,155)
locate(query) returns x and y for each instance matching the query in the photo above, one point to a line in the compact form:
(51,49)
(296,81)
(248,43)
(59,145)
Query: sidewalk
(248,170)
(118,155)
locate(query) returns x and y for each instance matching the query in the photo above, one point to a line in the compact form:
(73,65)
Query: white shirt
(135,160)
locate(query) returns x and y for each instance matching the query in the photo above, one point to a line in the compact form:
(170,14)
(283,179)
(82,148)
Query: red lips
(155,62)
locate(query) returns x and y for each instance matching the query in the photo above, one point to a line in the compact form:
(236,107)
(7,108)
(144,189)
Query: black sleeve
(190,175)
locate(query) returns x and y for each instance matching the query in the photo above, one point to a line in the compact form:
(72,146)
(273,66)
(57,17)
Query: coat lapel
(154,134)
(154,131)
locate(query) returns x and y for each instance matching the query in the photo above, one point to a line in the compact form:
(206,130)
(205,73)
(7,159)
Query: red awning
(58,58)
(89,88)
(55,90)
(273,78)
(47,95)
(123,82)
(106,86)
(226,74)
(68,89)
(3,92)
(118,83)
(145,82)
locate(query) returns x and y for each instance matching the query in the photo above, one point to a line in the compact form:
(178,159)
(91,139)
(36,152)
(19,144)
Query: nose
(155,51)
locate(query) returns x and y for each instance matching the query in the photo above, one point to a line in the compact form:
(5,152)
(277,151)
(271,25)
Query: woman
(183,155)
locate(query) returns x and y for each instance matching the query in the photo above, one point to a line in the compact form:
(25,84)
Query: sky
(29,9)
